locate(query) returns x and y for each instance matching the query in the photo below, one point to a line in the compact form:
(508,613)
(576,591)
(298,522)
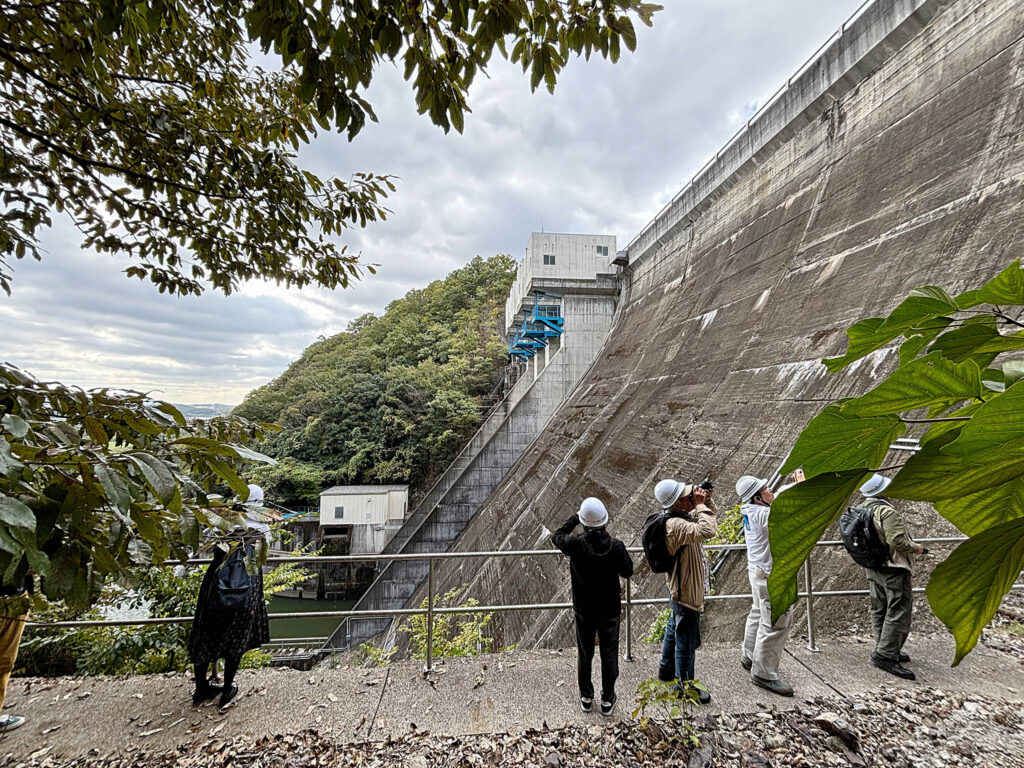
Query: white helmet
(875,485)
(747,486)
(667,491)
(592,513)
(255,495)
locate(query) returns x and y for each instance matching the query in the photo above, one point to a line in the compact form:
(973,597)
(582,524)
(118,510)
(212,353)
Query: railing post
(808,587)
(629,620)
(430,616)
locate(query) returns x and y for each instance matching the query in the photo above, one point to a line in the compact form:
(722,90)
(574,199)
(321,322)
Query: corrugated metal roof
(350,490)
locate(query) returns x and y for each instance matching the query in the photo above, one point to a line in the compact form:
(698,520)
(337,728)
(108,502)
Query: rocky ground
(893,727)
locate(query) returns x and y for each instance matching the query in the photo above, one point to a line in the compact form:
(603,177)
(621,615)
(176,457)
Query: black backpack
(233,583)
(655,546)
(861,539)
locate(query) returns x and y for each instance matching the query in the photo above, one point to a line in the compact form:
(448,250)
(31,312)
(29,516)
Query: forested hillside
(393,398)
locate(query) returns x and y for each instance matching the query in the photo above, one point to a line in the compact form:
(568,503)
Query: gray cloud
(603,154)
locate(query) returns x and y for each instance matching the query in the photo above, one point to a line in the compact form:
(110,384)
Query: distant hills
(203,410)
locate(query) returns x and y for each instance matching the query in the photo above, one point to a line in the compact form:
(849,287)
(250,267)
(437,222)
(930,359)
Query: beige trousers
(13,613)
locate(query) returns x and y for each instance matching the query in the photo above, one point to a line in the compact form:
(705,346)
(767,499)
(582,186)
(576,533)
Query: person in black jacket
(596,561)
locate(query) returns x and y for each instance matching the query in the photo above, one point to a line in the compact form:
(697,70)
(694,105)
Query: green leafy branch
(93,484)
(966,405)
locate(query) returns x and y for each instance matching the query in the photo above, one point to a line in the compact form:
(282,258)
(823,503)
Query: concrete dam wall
(894,161)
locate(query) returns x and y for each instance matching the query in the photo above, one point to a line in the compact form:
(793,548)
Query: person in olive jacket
(596,561)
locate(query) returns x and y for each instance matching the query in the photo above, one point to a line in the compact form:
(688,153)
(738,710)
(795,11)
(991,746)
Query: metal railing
(628,603)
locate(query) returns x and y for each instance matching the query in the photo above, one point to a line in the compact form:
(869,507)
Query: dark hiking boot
(775,686)
(228,695)
(586,704)
(892,667)
(608,706)
(666,675)
(204,693)
(746,662)
(703,697)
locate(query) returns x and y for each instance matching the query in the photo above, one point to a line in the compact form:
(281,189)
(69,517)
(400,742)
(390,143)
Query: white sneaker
(10,722)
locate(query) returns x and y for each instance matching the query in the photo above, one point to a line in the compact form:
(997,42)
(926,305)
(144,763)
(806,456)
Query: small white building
(368,515)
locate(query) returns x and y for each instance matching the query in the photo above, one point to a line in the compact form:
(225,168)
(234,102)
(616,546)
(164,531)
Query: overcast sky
(602,155)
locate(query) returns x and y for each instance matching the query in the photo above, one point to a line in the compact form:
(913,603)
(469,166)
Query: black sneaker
(904,658)
(586,704)
(892,667)
(703,697)
(608,706)
(746,662)
(228,695)
(206,693)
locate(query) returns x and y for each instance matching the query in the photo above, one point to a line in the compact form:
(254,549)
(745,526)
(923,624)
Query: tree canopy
(152,128)
(393,398)
(955,391)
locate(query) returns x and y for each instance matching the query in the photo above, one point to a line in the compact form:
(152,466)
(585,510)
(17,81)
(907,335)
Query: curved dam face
(895,161)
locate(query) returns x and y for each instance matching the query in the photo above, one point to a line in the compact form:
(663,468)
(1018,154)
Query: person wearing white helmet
(892,597)
(596,562)
(763,641)
(692,520)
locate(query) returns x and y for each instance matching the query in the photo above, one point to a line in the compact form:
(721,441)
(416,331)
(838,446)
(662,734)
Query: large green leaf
(963,343)
(158,477)
(965,590)
(931,380)
(798,519)
(917,341)
(229,476)
(14,424)
(16,514)
(921,304)
(995,432)
(863,337)
(835,441)
(932,475)
(9,465)
(975,512)
(114,487)
(1013,371)
(1005,288)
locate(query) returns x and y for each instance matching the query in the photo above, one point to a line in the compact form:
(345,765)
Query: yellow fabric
(13,613)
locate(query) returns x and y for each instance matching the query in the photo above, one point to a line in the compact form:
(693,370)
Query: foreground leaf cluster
(94,484)
(954,389)
(392,399)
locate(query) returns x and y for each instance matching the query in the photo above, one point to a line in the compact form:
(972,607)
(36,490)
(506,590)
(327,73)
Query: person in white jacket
(763,642)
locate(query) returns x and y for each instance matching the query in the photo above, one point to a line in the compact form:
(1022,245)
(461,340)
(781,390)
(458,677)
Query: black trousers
(607,633)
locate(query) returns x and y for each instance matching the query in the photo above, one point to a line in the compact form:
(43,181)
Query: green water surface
(314,626)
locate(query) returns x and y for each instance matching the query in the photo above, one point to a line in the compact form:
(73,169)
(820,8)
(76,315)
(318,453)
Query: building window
(602,250)
(339,513)
(549,259)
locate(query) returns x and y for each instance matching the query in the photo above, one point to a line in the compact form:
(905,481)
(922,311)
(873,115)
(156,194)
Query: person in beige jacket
(693,520)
